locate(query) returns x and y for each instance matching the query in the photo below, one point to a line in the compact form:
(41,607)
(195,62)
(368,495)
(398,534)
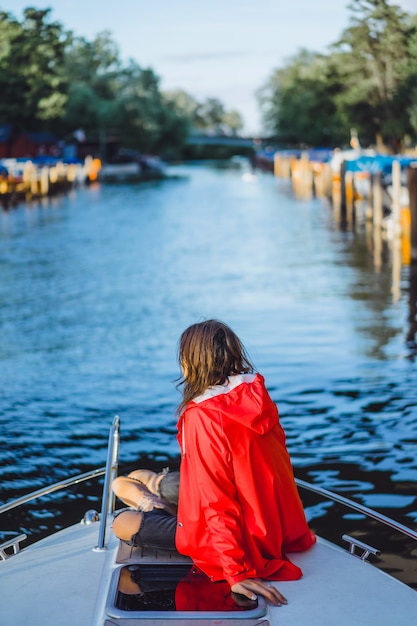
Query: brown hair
(209,352)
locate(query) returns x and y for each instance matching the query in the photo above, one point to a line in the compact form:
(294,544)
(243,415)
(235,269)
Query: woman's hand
(252,587)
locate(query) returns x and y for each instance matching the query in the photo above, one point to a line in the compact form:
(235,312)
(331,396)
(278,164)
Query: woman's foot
(136,495)
(150,479)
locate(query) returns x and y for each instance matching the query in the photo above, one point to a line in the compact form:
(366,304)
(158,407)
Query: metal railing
(108,501)
(351,504)
(109,472)
(44,491)
(12,543)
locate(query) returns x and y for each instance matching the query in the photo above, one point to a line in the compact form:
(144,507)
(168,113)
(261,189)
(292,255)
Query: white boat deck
(62,581)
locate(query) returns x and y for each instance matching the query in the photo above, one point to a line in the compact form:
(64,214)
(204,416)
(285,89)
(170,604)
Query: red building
(26,145)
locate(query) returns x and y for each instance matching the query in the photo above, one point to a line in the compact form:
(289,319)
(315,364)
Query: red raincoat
(239,510)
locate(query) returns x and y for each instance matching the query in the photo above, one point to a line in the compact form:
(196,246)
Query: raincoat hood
(244,400)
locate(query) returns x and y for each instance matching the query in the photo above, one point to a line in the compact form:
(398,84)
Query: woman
(239,512)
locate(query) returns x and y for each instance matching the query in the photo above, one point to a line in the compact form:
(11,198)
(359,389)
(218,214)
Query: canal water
(96,287)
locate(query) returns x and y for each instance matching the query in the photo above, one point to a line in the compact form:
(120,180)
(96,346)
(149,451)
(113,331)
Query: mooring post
(396,196)
(343,191)
(377,199)
(44,181)
(277,165)
(412,189)
(306,179)
(350,197)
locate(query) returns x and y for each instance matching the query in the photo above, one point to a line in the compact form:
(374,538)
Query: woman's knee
(124,487)
(117,484)
(127,524)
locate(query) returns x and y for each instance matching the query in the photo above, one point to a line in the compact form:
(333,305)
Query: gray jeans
(158,527)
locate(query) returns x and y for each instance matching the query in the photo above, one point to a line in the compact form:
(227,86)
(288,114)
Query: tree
(367,81)
(32,83)
(51,79)
(409,88)
(232,122)
(91,69)
(141,107)
(374,61)
(298,101)
(209,115)
(106,97)
(183,102)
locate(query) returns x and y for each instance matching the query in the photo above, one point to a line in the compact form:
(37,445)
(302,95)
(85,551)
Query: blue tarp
(364,163)
(314,154)
(378,163)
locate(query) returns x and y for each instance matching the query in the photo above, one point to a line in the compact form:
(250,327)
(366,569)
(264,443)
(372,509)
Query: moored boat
(133,169)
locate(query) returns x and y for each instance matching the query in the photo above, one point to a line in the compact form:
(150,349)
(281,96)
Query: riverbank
(25,179)
(28,179)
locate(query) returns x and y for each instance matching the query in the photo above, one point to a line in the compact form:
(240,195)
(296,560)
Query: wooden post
(377,199)
(292,165)
(71,173)
(328,180)
(377,218)
(396,196)
(369,211)
(349,193)
(44,181)
(4,186)
(60,170)
(405,235)
(53,175)
(277,164)
(412,305)
(34,182)
(396,269)
(343,190)
(306,173)
(335,198)
(412,189)
(27,173)
(88,165)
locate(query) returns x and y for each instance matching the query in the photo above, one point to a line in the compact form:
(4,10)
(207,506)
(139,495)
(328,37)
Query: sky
(225,49)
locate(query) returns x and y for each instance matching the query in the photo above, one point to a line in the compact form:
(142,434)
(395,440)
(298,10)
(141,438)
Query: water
(97,286)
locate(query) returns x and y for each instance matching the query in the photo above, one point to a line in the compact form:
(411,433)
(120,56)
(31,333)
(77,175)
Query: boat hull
(63,580)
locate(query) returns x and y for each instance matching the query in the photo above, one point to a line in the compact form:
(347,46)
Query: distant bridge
(220,140)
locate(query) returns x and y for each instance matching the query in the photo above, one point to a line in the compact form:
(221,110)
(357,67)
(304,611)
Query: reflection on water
(411,339)
(96,287)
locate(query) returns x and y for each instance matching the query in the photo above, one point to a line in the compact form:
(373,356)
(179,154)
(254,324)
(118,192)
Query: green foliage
(91,69)
(51,79)
(107,98)
(374,62)
(145,118)
(32,83)
(232,122)
(297,101)
(209,116)
(367,81)
(409,87)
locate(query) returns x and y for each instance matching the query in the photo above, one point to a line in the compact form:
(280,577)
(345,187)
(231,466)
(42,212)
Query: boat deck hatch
(175,591)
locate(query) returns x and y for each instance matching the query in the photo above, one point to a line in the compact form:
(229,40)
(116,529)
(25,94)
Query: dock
(27,179)
(360,186)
